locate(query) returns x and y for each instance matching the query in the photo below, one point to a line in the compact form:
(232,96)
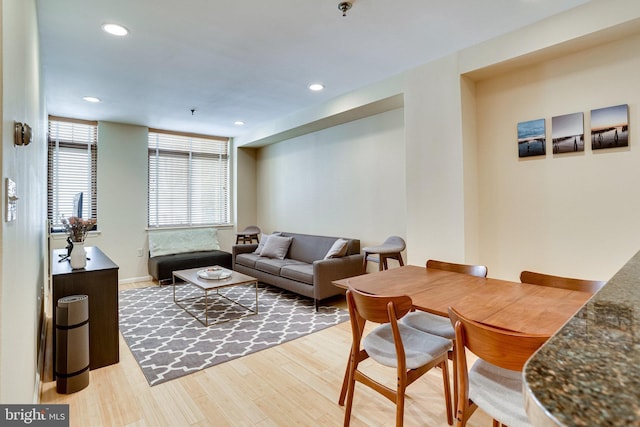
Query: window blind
(71,169)
(188,179)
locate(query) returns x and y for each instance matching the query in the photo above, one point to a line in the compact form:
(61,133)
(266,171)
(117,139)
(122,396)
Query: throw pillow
(276,247)
(263,240)
(338,250)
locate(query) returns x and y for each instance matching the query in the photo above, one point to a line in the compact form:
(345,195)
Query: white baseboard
(135,279)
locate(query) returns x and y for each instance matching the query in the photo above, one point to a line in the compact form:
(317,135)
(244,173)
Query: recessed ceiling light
(91,99)
(238,123)
(115,29)
(316,87)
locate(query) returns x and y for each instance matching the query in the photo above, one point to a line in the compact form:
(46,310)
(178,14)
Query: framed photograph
(567,132)
(531,138)
(610,127)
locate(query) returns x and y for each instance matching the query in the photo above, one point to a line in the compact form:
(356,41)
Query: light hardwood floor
(293,384)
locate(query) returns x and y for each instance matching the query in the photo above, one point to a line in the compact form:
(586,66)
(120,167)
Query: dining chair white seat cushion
(431,323)
(420,348)
(498,392)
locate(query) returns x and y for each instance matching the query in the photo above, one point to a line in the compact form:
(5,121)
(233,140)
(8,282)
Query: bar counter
(588,373)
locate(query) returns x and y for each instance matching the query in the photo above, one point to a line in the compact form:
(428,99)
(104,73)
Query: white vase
(78,258)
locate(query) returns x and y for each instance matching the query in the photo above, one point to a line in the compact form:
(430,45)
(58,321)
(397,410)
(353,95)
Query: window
(188,179)
(71,169)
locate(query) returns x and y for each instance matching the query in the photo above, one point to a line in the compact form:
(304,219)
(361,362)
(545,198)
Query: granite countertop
(588,374)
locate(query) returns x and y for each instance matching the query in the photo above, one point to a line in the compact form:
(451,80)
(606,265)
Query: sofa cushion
(276,247)
(248,260)
(273,265)
(183,240)
(338,250)
(302,272)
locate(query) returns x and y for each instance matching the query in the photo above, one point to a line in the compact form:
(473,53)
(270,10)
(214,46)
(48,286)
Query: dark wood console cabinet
(99,281)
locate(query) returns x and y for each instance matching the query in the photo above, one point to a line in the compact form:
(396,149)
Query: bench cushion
(161,267)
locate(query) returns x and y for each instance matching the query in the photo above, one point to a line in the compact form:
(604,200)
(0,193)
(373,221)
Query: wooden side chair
(411,352)
(248,235)
(470,269)
(494,382)
(438,325)
(534,278)
(391,248)
(432,323)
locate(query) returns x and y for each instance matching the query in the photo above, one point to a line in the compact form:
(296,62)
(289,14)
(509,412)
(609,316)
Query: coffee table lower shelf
(208,286)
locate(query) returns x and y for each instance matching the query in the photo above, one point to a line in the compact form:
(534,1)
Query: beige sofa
(304,268)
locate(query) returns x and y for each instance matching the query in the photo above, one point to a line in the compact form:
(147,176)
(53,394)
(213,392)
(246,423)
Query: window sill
(61,235)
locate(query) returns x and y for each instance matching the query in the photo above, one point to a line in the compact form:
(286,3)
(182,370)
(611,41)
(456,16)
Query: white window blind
(188,179)
(71,169)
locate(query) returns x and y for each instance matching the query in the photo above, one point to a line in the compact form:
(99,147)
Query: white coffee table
(207,286)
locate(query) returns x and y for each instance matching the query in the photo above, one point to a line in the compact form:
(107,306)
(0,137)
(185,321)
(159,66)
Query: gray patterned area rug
(168,343)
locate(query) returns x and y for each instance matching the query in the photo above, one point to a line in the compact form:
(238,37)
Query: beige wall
(344,181)
(245,187)
(122,201)
(461,183)
(563,214)
(22,261)
(434,168)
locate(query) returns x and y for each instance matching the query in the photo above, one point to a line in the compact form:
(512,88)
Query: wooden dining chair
(470,269)
(494,382)
(439,325)
(432,323)
(534,278)
(411,352)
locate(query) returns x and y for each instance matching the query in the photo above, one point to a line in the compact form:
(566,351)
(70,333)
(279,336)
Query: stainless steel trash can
(72,344)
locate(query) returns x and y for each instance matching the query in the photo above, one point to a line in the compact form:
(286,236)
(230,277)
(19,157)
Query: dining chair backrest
(473,270)
(569,283)
(494,383)
(500,347)
(376,308)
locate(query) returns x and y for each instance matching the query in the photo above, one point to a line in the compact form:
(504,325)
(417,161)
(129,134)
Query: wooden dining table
(514,306)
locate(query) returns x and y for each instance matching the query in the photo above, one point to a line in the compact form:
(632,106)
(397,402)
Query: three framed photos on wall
(609,129)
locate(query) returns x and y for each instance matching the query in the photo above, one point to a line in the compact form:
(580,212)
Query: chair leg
(447,390)
(400,405)
(451,355)
(364,263)
(345,381)
(400,259)
(351,383)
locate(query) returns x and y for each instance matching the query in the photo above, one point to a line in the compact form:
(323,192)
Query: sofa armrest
(241,249)
(327,270)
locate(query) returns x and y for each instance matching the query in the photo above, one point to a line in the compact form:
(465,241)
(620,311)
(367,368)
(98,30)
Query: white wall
(23,241)
(344,181)
(564,214)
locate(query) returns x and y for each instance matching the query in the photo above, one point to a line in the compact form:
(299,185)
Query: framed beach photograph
(567,133)
(610,127)
(531,138)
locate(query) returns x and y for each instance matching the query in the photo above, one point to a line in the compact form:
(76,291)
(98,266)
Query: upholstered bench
(179,249)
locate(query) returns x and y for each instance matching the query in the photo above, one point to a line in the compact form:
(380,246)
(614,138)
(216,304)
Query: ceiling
(248,60)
